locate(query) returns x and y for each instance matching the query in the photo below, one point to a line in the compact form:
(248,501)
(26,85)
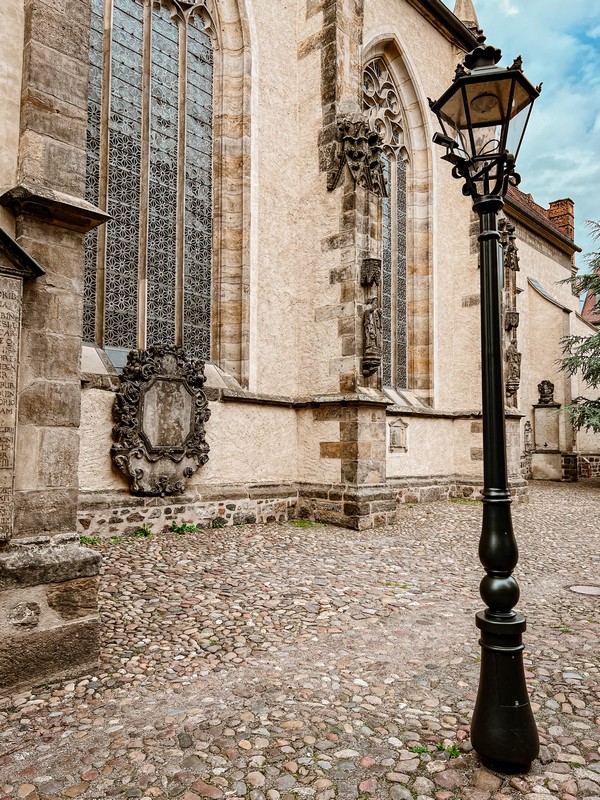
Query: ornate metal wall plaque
(160,412)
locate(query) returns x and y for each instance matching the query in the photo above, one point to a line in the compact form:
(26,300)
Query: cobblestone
(278,662)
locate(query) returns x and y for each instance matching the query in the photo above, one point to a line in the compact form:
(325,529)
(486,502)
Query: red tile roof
(538,213)
(590,312)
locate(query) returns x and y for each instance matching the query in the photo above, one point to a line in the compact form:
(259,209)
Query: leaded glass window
(148,272)
(382,105)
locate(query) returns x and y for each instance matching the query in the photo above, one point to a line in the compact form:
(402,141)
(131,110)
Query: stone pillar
(362,499)
(49,622)
(569,463)
(349,154)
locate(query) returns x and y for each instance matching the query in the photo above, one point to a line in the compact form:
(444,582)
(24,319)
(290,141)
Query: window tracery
(381,103)
(148,274)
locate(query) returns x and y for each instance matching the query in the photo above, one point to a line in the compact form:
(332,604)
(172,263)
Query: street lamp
(483,116)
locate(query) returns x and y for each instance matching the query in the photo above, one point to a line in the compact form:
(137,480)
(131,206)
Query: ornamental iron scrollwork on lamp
(483,116)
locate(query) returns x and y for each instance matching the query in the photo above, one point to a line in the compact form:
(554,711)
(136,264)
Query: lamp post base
(503,730)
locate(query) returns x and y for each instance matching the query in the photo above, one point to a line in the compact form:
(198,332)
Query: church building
(238,284)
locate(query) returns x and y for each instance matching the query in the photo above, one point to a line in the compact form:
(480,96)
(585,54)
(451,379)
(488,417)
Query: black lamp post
(482,115)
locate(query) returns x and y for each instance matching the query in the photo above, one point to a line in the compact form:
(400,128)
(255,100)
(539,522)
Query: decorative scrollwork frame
(157,467)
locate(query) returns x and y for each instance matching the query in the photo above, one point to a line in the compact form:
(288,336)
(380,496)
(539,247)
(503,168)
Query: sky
(560,45)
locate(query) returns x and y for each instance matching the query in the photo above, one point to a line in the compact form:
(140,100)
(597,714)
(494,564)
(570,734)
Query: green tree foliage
(582,353)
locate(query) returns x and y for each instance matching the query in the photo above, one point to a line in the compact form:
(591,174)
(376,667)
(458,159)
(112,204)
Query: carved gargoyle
(360,149)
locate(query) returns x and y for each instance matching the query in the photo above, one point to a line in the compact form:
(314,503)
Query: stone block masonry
(588,465)
(117,515)
(10,317)
(439,487)
(49,624)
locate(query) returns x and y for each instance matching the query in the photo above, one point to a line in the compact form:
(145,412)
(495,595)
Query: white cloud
(561,151)
(508,8)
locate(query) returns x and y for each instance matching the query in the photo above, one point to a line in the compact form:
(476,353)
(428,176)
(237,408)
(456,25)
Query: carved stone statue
(372,337)
(528,437)
(513,358)
(546,390)
(513,370)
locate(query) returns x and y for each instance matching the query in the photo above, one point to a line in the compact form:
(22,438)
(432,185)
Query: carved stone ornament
(528,436)
(372,337)
(511,320)
(370,272)
(546,390)
(508,239)
(160,411)
(513,369)
(360,150)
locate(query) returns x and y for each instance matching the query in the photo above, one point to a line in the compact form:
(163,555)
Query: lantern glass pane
(517,129)
(489,100)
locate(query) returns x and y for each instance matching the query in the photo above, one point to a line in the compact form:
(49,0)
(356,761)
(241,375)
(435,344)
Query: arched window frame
(227,25)
(414,153)
(382,104)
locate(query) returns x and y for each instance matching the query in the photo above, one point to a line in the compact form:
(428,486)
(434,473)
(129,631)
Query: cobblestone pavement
(281,662)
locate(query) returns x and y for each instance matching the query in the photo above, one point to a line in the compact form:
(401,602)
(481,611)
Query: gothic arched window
(150,143)
(382,105)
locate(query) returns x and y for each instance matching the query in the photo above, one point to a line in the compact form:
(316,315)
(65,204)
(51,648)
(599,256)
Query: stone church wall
(11,65)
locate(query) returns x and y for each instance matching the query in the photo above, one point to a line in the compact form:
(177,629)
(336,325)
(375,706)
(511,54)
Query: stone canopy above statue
(160,412)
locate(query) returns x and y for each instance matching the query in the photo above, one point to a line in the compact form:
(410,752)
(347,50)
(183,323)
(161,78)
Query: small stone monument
(160,411)
(546,456)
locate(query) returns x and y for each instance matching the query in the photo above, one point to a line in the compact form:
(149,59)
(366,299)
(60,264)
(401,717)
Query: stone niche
(160,411)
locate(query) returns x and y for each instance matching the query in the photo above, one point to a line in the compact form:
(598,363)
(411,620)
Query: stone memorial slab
(160,412)
(546,428)
(10,322)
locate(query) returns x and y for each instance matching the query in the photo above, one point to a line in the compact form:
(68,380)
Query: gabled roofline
(446,22)
(537,286)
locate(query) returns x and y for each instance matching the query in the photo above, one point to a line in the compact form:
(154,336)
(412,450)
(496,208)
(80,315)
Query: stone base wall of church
(356,507)
(588,465)
(106,515)
(440,487)
(49,623)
